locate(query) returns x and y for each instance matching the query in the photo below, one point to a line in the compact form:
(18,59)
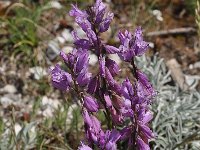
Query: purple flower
(80,18)
(117,101)
(107,100)
(112,137)
(84,147)
(91,104)
(99,9)
(126,110)
(142,145)
(117,117)
(64,57)
(127,89)
(83,43)
(82,60)
(93,85)
(84,77)
(111,49)
(87,118)
(83,23)
(112,84)
(77,12)
(140,45)
(101,18)
(96,125)
(93,128)
(109,77)
(60,79)
(144,85)
(146,131)
(144,117)
(125,133)
(104,25)
(131,45)
(112,66)
(91,36)
(69,58)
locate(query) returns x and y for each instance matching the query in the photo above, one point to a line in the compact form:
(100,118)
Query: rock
(197,65)
(38,72)
(70,115)
(192,80)
(93,59)
(53,50)
(48,112)
(55,4)
(53,103)
(9,99)
(151,45)
(116,58)
(17,128)
(67,49)
(49,105)
(9,89)
(157,14)
(66,34)
(80,32)
(60,39)
(5,101)
(2,69)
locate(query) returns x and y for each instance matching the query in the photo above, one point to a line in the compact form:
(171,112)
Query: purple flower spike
(126,104)
(131,45)
(60,79)
(91,104)
(140,45)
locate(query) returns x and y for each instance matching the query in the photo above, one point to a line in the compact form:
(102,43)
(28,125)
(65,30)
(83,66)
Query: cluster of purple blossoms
(125,105)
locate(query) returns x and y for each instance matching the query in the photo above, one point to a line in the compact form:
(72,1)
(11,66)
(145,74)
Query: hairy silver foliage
(25,139)
(176,113)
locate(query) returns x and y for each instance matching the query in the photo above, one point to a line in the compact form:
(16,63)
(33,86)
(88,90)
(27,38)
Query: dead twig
(172,32)
(177,73)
